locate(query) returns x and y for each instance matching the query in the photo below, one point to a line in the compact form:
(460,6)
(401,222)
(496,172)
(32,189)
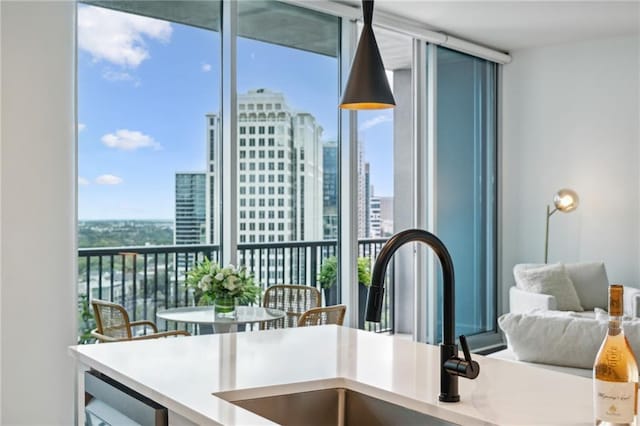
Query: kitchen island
(195,377)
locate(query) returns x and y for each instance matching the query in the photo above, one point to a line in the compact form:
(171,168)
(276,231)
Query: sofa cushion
(560,338)
(589,280)
(591,283)
(552,280)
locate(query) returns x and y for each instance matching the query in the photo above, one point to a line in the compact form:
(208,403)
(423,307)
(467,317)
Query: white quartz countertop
(185,373)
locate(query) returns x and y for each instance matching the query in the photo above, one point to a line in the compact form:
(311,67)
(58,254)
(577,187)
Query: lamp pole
(546,234)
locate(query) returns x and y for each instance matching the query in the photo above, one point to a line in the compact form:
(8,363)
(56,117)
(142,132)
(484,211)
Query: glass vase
(225,307)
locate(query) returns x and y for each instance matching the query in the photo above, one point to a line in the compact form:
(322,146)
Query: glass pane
(288,92)
(466,167)
(148,76)
(377,133)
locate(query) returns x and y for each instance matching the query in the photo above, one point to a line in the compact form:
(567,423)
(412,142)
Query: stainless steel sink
(341,407)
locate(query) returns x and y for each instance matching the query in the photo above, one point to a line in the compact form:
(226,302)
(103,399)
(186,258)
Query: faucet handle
(463,367)
(465,348)
(473,368)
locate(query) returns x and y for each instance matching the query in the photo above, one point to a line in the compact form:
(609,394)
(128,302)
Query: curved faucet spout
(451,365)
(376,291)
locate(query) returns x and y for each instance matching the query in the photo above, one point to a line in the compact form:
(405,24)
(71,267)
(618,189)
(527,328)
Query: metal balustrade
(151,278)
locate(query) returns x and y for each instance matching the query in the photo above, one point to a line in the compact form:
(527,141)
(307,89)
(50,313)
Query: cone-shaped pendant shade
(367,87)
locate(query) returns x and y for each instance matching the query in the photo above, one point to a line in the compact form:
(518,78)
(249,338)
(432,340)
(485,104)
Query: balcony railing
(151,278)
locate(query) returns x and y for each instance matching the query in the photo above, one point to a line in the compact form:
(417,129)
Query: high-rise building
(381,216)
(190,204)
(375,222)
(386,216)
(330,190)
(307,136)
(368,191)
(213,179)
(364,194)
(280,171)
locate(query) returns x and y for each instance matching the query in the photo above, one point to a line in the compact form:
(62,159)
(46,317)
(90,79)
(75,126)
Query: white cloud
(82,181)
(206,67)
(81,127)
(379,119)
(129,140)
(118,38)
(111,75)
(109,180)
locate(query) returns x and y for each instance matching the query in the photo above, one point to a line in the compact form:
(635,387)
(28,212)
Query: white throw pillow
(591,283)
(552,280)
(560,338)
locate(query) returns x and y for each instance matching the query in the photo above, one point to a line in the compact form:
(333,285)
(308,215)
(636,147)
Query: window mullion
(229,174)
(428,321)
(348,186)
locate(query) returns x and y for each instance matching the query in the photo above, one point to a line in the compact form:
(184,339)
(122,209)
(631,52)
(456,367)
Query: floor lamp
(565,200)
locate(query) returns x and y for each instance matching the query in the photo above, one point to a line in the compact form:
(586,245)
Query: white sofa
(524,301)
(591,285)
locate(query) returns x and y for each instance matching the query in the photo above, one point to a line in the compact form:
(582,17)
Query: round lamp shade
(566,200)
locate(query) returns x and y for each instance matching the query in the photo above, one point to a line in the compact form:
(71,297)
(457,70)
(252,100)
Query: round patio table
(208,321)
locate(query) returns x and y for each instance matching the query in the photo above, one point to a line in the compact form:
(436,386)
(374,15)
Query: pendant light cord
(367,12)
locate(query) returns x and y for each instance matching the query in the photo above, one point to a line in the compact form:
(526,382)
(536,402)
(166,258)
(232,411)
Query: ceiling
(510,25)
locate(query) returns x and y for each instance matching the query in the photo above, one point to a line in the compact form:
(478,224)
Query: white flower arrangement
(210,282)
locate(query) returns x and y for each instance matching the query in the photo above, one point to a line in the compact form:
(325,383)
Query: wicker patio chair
(293,299)
(113,325)
(327,315)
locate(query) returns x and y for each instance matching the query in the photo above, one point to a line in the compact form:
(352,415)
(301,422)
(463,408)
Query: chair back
(293,299)
(112,319)
(326,315)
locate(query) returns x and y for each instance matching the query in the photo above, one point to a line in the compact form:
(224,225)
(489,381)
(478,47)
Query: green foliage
(123,233)
(86,322)
(364,271)
(210,281)
(329,271)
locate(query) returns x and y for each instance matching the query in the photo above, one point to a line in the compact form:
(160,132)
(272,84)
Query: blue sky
(144,87)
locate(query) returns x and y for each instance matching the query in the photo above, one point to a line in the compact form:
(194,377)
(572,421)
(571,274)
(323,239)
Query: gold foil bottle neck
(615,300)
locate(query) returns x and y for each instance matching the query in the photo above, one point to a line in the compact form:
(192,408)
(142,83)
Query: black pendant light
(367,87)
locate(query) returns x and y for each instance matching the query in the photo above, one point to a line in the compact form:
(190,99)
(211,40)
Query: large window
(225,141)
(288,92)
(148,81)
(378,133)
(466,184)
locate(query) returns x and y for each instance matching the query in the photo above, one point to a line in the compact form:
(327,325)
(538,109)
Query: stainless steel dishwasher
(110,403)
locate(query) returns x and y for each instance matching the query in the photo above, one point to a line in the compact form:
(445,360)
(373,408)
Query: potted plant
(222,287)
(327,279)
(329,275)
(85,320)
(364,282)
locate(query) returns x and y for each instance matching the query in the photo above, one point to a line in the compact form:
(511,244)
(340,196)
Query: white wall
(571,119)
(37,195)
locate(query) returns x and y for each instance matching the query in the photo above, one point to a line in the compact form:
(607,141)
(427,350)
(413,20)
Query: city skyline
(287,180)
(140,113)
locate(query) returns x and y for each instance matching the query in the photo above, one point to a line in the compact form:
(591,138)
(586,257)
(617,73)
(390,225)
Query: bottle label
(614,402)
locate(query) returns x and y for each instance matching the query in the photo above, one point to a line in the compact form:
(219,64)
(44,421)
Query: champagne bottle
(615,372)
